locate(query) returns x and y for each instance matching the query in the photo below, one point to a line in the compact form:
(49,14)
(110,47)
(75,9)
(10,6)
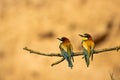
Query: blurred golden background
(37,23)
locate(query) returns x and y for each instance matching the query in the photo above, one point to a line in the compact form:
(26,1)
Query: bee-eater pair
(67,49)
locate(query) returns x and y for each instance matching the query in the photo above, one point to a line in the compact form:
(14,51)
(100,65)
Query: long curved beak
(81,35)
(59,39)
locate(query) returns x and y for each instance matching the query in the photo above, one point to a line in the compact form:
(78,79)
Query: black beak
(81,35)
(59,39)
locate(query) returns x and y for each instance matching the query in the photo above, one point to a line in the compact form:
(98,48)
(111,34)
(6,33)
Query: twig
(76,53)
(58,62)
(43,54)
(111,76)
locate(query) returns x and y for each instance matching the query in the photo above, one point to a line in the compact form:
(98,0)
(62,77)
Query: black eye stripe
(86,35)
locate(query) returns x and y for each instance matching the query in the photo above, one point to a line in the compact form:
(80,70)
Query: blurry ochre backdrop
(37,23)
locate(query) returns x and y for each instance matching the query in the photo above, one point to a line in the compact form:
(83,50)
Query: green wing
(70,53)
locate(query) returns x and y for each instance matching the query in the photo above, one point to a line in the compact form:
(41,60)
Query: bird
(67,50)
(88,47)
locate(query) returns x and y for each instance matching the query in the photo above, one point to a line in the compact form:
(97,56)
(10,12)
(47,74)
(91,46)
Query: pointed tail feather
(69,62)
(86,56)
(87,60)
(92,52)
(72,59)
(72,56)
(92,57)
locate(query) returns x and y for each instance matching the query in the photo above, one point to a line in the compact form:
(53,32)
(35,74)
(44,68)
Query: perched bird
(88,47)
(66,50)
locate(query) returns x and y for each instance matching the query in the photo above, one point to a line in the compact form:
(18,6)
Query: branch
(58,62)
(107,49)
(43,54)
(76,53)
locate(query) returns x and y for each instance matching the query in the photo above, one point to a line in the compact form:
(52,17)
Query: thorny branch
(76,53)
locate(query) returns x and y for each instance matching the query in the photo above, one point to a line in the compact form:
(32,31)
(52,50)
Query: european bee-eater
(66,50)
(88,47)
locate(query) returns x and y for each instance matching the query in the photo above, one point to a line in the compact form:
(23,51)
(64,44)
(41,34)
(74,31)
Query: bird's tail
(87,60)
(72,56)
(68,58)
(92,52)
(69,62)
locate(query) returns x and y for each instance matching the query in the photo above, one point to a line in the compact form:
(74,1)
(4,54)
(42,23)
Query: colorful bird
(66,50)
(88,47)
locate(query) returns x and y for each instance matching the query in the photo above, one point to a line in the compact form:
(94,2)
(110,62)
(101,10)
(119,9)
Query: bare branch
(43,54)
(107,49)
(58,62)
(76,53)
